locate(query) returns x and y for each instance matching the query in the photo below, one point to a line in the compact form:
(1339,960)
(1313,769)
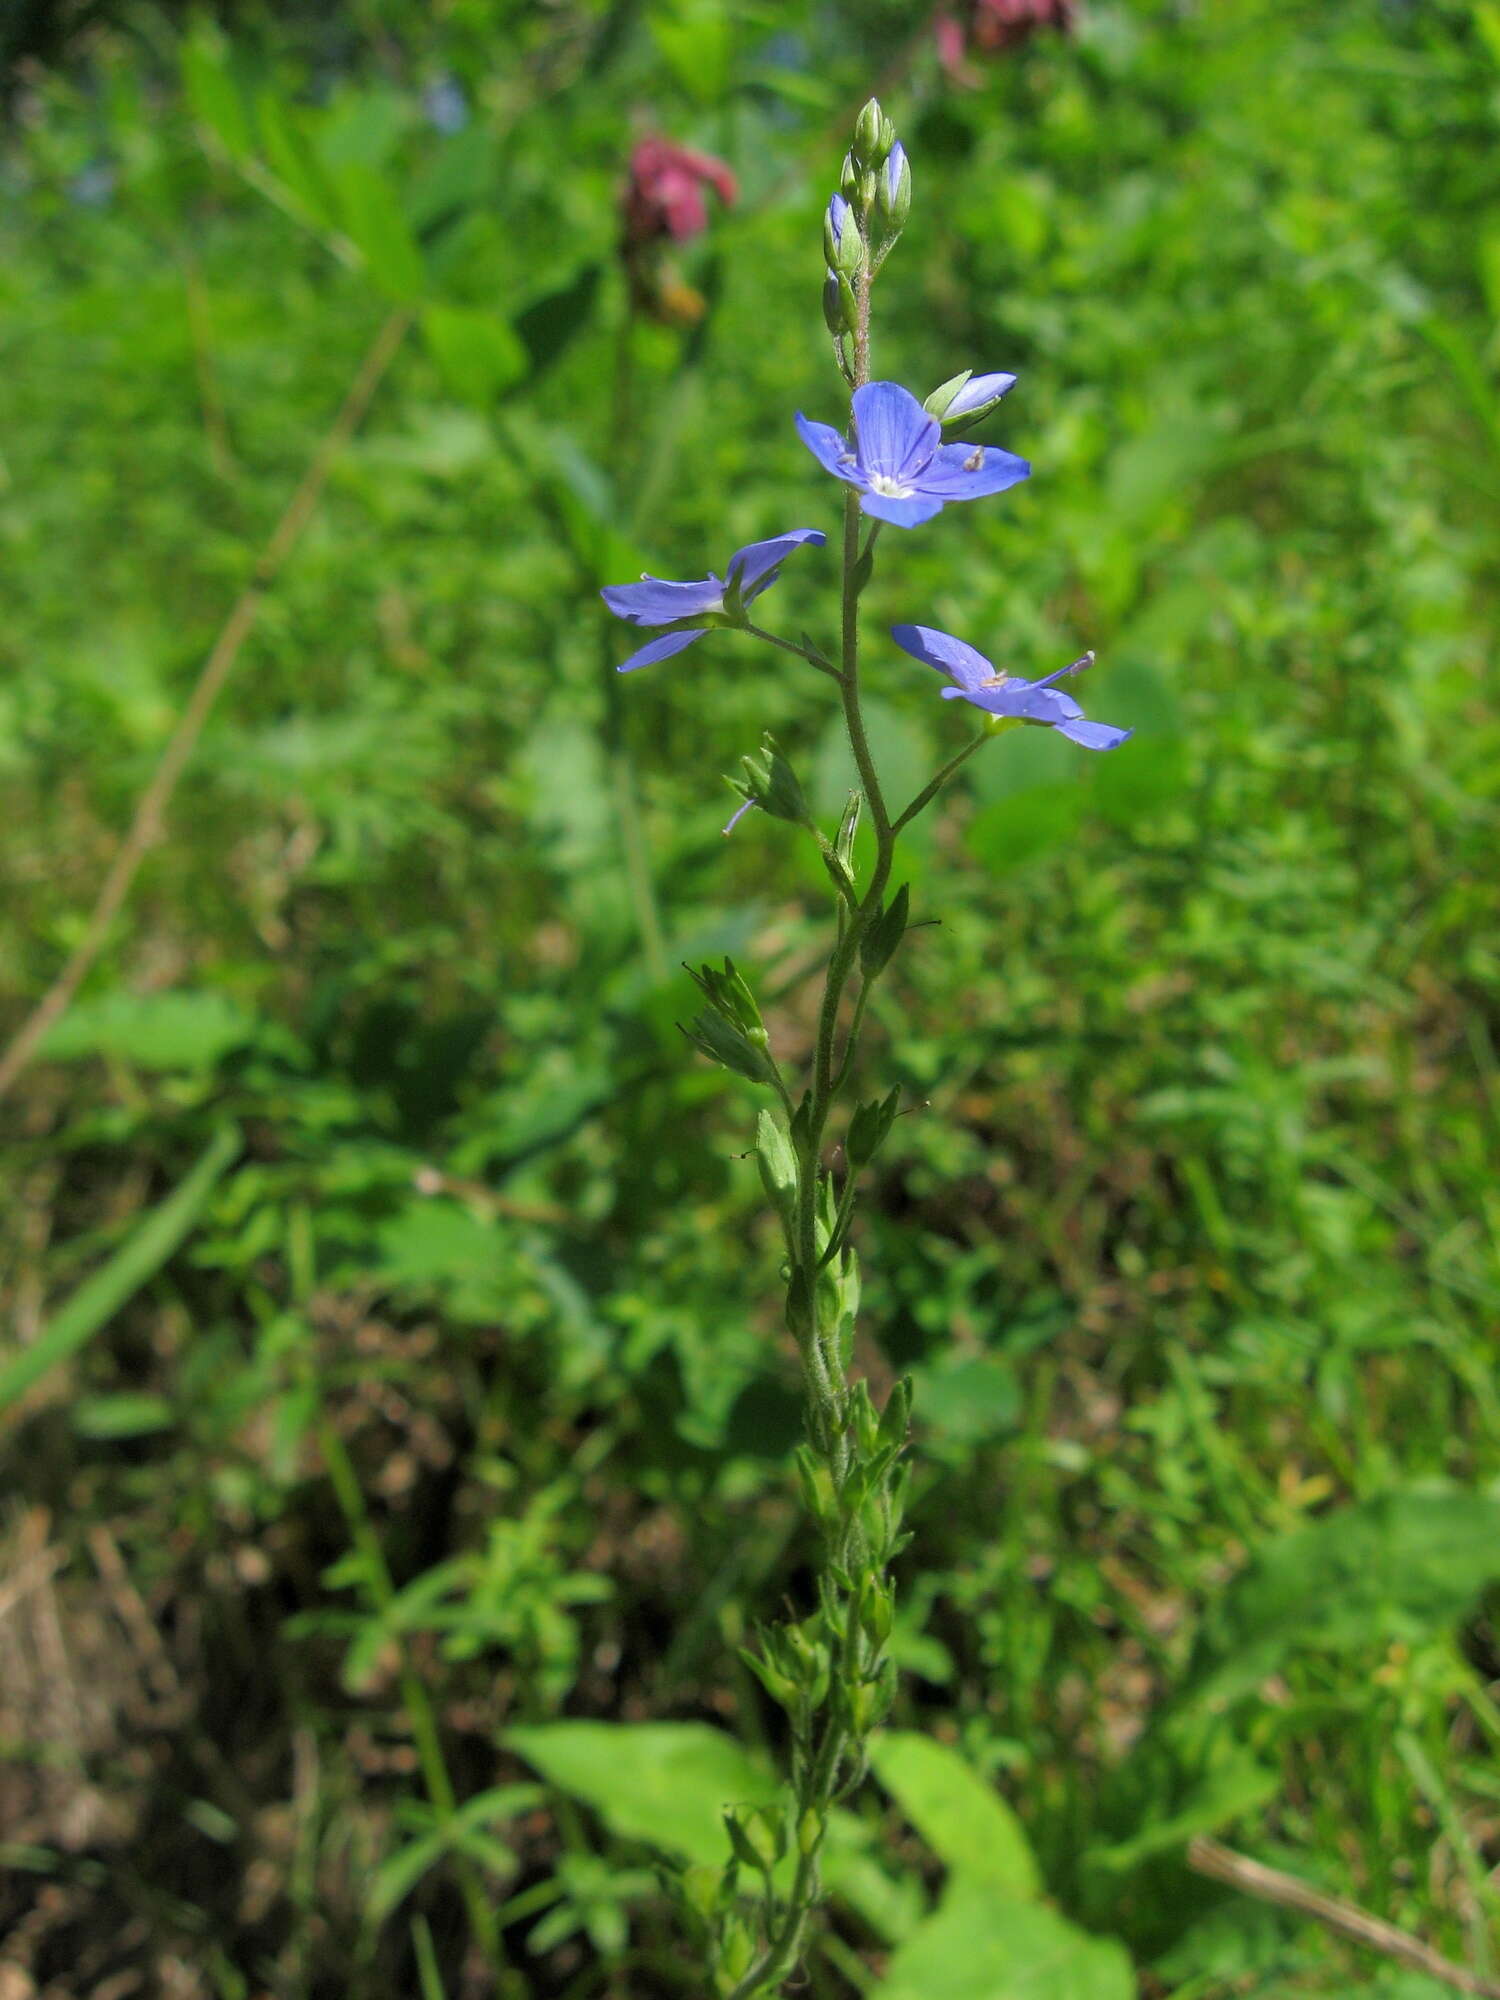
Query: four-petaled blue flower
(975,679)
(897,459)
(653,601)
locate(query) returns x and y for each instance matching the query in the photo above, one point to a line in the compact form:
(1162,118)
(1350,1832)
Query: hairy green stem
(934,785)
(809,653)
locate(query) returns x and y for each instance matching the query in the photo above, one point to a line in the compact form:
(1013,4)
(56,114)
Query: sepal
(722,1042)
(771,783)
(870,1127)
(878,945)
(777,1161)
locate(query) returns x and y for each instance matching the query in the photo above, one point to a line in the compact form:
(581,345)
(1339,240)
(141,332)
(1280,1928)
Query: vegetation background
(395,1417)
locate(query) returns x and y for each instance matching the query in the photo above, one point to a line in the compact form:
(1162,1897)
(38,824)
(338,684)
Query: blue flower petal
(968,667)
(661,649)
(895,434)
(900,513)
(1035,702)
(979,392)
(829,449)
(969,471)
(654,601)
(1094,735)
(757,563)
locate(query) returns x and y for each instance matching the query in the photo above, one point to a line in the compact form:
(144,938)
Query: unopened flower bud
(843,246)
(873,136)
(849,178)
(700,1889)
(968,396)
(893,195)
(833,305)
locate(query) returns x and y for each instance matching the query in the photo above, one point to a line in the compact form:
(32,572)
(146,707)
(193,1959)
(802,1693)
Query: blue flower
(897,459)
(975,679)
(653,601)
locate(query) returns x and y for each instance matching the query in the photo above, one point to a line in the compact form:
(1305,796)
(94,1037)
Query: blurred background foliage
(395,1415)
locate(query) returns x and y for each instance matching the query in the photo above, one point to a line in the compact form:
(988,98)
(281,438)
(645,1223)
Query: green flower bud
(700,1891)
(843,245)
(751,1847)
(736,1950)
(771,783)
(833,305)
(893,190)
(873,136)
(777,1162)
(878,1613)
(869,1128)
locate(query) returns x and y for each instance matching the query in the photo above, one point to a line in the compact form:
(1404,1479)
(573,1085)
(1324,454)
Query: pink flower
(988,26)
(664,196)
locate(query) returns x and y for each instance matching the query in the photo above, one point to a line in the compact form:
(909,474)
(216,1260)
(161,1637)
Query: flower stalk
(830,1671)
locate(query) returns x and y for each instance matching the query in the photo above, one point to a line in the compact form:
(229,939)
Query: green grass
(1191,1237)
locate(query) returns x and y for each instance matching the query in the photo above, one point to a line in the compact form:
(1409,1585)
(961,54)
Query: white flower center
(888,487)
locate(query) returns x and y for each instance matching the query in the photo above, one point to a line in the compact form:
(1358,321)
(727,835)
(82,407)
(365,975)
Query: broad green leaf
(962,1818)
(1399,1566)
(479,353)
(101,1296)
(376,225)
(968,1397)
(666,1783)
(981,1945)
(185,1031)
(433,1245)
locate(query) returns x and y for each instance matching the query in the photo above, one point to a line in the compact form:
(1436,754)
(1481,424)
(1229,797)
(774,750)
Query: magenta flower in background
(897,459)
(988,27)
(664,195)
(975,680)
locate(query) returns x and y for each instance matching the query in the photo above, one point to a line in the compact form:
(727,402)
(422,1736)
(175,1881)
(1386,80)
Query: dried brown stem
(1270,1885)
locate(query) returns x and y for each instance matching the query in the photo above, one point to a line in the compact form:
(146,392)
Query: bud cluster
(862,222)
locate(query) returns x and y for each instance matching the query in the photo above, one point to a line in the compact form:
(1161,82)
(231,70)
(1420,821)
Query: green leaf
(696,40)
(968,1397)
(101,1296)
(665,1783)
(376,225)
(1237,1785)
(122,1416)
(668,1783)
(183,1031)
(1400,1566)
(550,323)
(212,93)
(478,353)
(290,157)
(434,1245)
(965,1822)
(983,1946)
